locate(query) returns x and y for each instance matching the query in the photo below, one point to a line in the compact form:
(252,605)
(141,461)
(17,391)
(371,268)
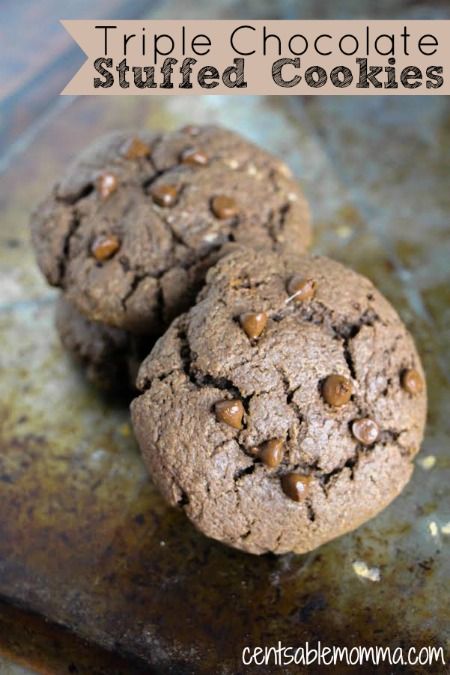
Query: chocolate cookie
(285,408)
(133,225)
(110,356)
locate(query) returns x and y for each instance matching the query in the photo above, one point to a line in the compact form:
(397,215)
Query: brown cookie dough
(133,225)
(110,356)
(283,439)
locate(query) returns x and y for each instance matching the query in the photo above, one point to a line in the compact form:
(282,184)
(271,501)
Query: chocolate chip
(230,412)
(365,430)
(224,207)
(253,324)
(164,195)
(106,184)
(295,486)
(105,246)
(412,382)
(271,452)
(135,148)
(194,157)
(301,289)
(337,390)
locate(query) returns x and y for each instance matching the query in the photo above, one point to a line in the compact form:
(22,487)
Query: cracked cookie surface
(132,227)
(286,440)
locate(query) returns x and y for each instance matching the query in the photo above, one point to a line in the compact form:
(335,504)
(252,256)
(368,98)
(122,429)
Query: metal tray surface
(86,541)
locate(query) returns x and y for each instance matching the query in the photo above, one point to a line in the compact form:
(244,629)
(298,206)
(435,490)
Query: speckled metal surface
(86,540)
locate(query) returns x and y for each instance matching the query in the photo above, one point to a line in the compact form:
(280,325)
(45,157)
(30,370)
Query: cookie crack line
(236,488)
(245,471)
(84,192)
(348,357)
(157,276)
(75,224)
(317,313)
(275,222)
(135,281)
(200,379)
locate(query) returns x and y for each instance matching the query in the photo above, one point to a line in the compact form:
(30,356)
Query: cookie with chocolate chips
(281,433)
(130,229)
(110,356)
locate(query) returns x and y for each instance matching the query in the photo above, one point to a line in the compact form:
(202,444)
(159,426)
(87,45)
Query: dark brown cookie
(110,356)
(131,228)
(327,426)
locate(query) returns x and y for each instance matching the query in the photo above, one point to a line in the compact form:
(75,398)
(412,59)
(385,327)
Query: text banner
(261,57)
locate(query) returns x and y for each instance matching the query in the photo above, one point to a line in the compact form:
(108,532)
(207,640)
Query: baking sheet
(84,537)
